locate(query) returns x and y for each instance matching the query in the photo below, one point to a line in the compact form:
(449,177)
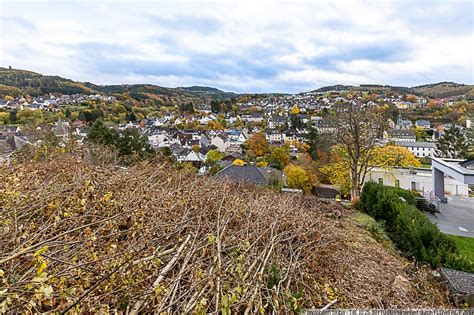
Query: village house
(221,142)
(420,149)
(399,135)
(425,124)
(274,136)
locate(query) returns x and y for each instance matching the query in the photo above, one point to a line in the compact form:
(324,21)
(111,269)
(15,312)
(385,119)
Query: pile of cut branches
(81,238)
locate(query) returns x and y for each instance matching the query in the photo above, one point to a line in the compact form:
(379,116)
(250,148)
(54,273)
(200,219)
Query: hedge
(410,229)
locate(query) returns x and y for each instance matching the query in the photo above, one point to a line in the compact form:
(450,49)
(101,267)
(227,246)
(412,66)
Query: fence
(390,312)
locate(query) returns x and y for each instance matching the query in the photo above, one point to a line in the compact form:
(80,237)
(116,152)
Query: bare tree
(358,130)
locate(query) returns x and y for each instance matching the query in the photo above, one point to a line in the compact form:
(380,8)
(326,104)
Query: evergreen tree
(67,113)
(12,117)
(312,139)
(453,144)
(131,142)
(131,116)
(295,122)
(215,106)
(101,134)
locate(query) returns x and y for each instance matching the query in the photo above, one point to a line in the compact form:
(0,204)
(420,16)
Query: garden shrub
(411,230)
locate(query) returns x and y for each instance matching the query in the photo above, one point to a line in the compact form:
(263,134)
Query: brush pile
(81,238)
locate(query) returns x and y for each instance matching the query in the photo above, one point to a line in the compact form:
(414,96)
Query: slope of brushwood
(84,238)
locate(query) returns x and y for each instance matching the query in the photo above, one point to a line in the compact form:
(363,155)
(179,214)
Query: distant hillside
(337,87)
(15,82)
(35,84)
(208,91)
(444,89)
(435,90)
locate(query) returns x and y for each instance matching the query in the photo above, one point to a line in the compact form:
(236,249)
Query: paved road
(456,217)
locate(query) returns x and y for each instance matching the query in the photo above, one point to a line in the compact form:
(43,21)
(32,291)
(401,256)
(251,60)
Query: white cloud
(245,46)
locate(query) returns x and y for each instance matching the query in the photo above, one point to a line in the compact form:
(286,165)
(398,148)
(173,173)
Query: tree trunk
(355,183)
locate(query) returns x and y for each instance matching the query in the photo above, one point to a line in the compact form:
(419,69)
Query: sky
(242,46)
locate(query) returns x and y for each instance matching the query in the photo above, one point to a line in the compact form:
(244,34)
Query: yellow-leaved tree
(296,177)
(295,110)
(4,117)
(258,144)
(337,172)
(238,162)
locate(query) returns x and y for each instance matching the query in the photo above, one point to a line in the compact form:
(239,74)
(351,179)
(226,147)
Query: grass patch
(376,229)
(465,246)
(362,219)
(428,166)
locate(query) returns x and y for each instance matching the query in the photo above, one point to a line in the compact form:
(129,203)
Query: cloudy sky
(242,46)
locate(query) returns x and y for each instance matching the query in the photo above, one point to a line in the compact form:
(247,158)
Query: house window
(381,181)
(413,186)
(397,183)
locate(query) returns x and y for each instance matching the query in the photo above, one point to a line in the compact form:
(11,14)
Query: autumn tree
(296,177)
(338,170)
(432,104)
(295,110)
(258,144)
(411,98)
(453,144)
(214,125)
(305,161)
(27,116)
(213,157)
(393,155)
(4,116)
(420,133)
(280,157)
(238,162)
(358,129)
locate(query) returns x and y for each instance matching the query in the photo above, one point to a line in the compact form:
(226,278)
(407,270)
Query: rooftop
(417,144)
(459,281)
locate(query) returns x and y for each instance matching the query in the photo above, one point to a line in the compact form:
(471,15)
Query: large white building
(418,179)
(419,149)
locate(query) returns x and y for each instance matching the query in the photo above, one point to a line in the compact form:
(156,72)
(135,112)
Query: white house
(189,155)
(420,149)
(160,140)
(221,142)
(417,179)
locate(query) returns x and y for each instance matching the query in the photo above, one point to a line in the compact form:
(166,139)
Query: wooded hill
(435,90)
(16,82)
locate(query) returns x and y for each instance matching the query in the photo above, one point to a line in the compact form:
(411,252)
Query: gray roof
(459,281)
(401,132)
(422,122)
(417,144)
(249,173)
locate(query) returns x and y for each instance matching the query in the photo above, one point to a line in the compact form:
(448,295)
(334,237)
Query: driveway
(456,217)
